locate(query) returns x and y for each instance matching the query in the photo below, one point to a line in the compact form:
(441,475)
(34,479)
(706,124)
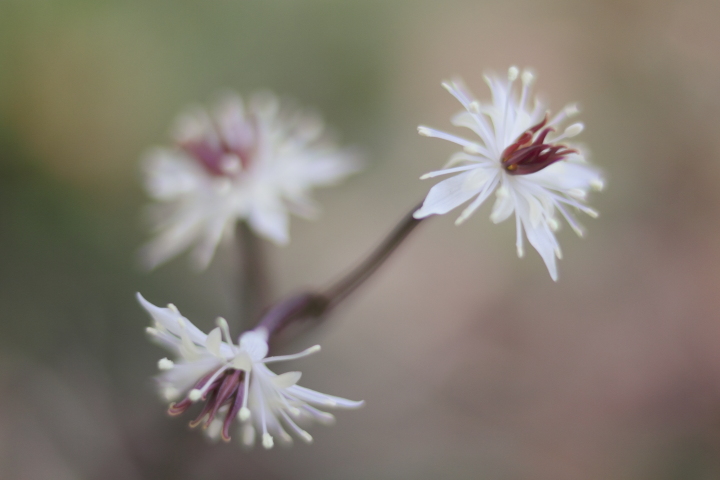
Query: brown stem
(316,304)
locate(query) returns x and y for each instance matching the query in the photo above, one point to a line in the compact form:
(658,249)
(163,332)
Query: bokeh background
(474,364)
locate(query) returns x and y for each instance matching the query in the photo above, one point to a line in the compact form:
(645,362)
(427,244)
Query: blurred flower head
(234,382)
(533,171)
(254,163)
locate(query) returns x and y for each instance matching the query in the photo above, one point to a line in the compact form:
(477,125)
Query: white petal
(286,379)
(452,192)
(269,219)
(542,238)
(503,208)
(213,341)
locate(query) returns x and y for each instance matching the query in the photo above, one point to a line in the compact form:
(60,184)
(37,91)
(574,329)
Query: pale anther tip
(425,177)
(267,441)
(244,414)
(513,73)
(527,77)
(165,364)
(572,109)
(194,395)
(574,129)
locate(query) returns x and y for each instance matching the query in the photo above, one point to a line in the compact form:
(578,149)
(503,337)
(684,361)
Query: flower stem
(253,281)
(316,304)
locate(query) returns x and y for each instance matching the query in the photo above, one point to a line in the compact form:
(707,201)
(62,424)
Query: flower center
(226,392)
(228,154)
(530,153)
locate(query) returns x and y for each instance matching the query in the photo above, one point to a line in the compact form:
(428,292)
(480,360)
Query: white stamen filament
(222,323)
(282,358)
(299,431)
(432,133)
(437,173)
(196,394)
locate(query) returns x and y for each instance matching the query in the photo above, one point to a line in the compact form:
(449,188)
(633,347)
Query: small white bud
(306,436)
(472,149)
(572,109)
(165,364)
(170,393)
(574,129)
(424,131)
(230,164)
(527,77)
(598,185)
(513,73)
(577,193)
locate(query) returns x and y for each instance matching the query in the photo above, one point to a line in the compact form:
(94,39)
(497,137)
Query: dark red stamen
(211,155)
(227,389)
(234,409)
(527,156)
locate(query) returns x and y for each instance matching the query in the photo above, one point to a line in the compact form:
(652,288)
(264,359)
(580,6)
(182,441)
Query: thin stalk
(316,304)
(253,281)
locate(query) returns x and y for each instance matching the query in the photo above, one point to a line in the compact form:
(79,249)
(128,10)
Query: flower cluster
(533,171)
(259,163)
(234,381)
(254,162)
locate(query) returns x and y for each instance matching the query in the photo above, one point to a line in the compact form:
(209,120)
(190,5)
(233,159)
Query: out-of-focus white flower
(254,162)
(532,170)
(234,381)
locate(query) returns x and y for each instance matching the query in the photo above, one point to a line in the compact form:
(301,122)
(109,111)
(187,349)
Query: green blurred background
(474,364)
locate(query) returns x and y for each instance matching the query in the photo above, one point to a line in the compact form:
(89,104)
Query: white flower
(254,163)
(519,157)
(234,381)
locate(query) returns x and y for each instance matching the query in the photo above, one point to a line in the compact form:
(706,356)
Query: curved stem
(316,304)
(346,285)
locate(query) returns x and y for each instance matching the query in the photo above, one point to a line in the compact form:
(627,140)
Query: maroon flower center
(530,153)
(226,389)
(216,156)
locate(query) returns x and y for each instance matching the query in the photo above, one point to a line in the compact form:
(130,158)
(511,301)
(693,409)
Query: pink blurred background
(473,363)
